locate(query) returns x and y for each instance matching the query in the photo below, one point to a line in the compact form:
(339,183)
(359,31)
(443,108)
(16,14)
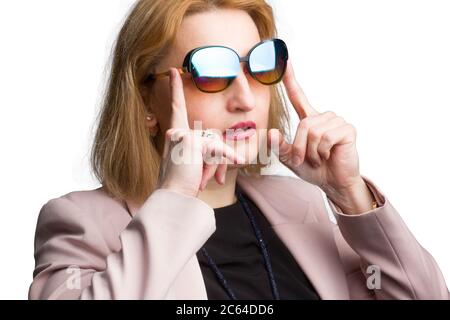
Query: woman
(214,226)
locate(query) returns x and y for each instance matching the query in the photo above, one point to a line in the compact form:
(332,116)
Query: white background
(382,65)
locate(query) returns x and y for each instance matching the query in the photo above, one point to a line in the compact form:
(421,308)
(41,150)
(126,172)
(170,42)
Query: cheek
(199,107)
(263,102)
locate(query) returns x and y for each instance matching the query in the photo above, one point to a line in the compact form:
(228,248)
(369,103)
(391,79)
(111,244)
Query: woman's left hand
(323,152)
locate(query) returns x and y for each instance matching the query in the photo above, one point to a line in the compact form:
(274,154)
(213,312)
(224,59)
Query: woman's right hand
(190,174)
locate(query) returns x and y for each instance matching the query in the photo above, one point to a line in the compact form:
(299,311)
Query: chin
(249,150)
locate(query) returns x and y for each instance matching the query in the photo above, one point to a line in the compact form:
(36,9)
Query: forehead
(226,27)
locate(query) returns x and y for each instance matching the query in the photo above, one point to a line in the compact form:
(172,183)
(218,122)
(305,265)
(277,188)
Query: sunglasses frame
(188,67)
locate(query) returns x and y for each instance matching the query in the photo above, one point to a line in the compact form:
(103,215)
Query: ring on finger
(208,133)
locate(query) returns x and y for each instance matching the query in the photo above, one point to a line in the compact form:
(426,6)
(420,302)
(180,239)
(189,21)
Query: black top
(234,249)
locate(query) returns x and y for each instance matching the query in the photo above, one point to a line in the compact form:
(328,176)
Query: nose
(241,95)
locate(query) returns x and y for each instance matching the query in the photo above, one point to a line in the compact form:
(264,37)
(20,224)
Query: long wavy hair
(123,157)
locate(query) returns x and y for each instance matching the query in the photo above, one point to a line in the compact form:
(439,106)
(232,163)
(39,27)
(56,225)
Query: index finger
(179,117)
(296,94)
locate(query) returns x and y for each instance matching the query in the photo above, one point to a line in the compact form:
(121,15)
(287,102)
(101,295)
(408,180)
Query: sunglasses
(213,68)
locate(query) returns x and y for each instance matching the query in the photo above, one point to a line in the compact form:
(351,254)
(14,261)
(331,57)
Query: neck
(217,195)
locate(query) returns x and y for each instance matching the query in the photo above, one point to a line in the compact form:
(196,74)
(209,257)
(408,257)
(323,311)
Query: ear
(152,124)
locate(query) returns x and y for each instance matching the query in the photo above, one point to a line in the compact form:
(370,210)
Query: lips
(243,125)
(240,130)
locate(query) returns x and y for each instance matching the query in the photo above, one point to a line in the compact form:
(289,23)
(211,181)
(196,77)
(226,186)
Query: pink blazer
(91,246)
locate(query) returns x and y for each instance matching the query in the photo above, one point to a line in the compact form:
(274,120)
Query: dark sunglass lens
(213,68)
(268,61)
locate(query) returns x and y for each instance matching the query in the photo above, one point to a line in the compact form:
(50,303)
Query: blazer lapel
(310,242)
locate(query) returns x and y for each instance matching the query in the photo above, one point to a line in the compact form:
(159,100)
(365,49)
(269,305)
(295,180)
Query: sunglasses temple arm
(166,74)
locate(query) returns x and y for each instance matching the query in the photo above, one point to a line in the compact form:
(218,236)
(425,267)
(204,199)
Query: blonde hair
(123,157)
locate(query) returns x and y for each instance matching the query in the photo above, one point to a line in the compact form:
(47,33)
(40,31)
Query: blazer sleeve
(70,250)
(381,239)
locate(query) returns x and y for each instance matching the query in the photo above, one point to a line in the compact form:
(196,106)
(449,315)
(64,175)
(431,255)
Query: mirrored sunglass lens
(214,68)
(268,62)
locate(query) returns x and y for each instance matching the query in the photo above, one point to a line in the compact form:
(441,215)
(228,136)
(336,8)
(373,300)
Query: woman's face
(244,100)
